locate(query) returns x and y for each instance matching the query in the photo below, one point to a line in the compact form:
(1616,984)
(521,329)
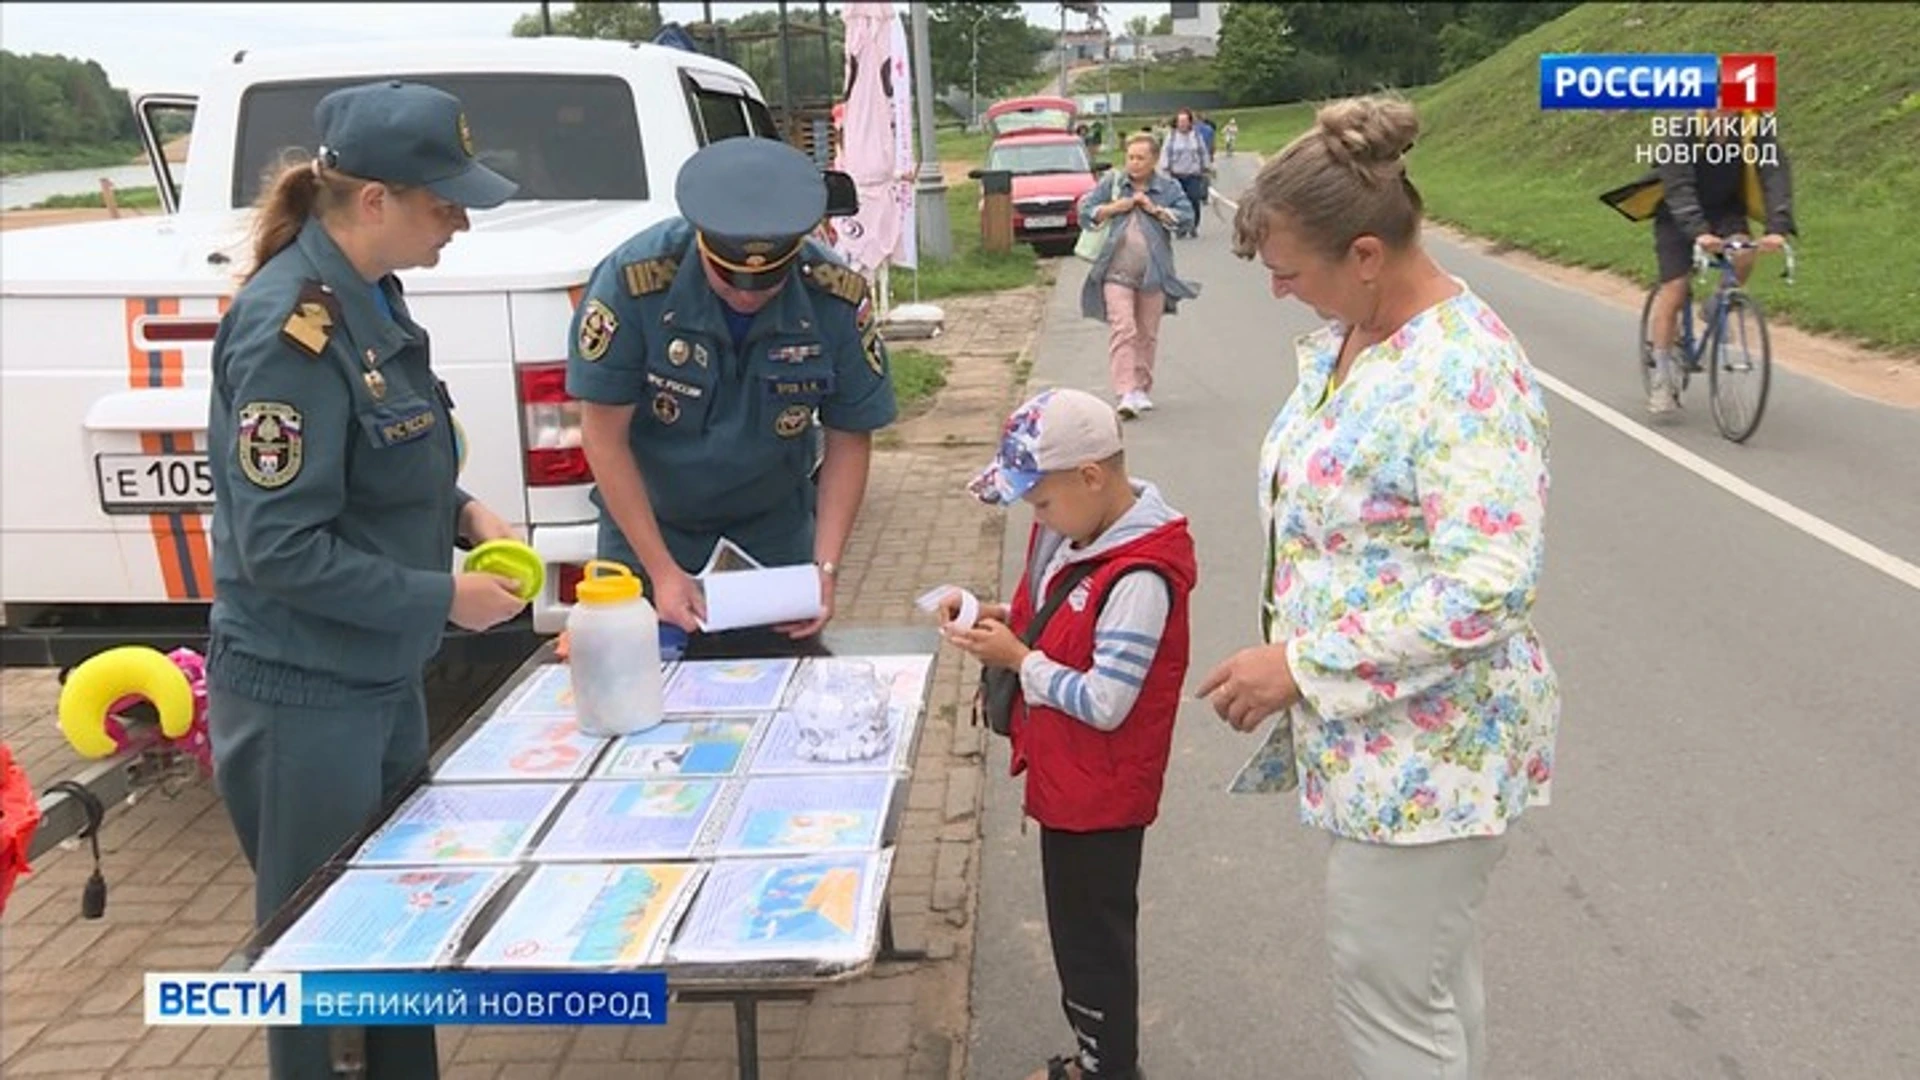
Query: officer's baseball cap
(753,202)
(1054,430)
(407,133)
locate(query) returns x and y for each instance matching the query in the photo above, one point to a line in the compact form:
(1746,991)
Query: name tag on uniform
(404,425)
(794,354)
(661,382)
(812,386)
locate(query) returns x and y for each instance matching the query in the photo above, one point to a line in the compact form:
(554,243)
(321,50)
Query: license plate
(150,483)
(1047,221)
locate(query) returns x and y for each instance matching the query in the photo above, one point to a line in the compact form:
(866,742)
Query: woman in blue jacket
(1132,282)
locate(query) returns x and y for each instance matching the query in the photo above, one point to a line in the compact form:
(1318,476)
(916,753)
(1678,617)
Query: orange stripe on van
(179,540)
(574,296)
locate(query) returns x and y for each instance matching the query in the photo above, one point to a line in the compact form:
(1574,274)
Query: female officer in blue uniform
(702,351)
(334,471)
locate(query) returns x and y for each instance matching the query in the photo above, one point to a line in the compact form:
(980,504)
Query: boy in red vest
(1093,723)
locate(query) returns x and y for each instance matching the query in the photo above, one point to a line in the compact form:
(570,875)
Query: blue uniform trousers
(298,782)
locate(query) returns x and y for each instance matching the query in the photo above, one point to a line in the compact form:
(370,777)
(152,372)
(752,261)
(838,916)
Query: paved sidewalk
(180,894)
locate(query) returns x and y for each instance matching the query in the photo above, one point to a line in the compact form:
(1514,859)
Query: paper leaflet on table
(741,593)
(631,819)
(824,908)
(461,823)
(596,915)
(729,686)
(385,918)
(795,815)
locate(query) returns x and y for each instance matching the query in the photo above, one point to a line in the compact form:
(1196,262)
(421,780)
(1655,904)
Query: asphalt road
(1727,884)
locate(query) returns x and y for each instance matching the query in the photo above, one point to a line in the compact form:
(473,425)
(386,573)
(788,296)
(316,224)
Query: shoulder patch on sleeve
(269,443)
(648,276)
(835,279)
(871,343)
(314,315)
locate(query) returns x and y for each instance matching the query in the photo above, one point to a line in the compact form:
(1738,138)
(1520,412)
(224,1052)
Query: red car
(1033,138)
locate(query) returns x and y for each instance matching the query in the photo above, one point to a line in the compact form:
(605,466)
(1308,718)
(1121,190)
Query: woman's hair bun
(1369,130)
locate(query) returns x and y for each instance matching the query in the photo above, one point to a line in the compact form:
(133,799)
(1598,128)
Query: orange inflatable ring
(101,683)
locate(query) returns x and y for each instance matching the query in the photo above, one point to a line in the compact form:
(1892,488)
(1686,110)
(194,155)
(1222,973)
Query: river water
(29,188)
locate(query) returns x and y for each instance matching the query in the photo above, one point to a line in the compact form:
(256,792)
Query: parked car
(1034,139)
(107,328)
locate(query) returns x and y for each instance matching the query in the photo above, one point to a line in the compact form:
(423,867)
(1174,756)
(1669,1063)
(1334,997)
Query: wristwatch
(831,569)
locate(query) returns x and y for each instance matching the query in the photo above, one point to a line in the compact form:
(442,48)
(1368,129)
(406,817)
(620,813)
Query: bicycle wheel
(1740,368)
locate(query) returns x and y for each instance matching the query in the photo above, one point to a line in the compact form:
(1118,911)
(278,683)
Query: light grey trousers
(1403,931)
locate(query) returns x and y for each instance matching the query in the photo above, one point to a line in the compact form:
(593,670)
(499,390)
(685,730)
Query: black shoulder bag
(999,687)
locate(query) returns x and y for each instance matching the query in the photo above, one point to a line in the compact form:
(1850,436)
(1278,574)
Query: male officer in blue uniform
(701,352)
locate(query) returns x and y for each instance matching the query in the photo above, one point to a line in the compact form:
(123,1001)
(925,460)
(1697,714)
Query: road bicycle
(1733,347)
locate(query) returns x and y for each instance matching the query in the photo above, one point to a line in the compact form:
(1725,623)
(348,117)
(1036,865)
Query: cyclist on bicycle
(1706,203)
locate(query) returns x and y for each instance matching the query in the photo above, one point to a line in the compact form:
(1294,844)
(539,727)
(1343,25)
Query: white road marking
(1819,528)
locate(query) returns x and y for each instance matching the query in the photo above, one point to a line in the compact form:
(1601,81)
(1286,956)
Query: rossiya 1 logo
(1744,81)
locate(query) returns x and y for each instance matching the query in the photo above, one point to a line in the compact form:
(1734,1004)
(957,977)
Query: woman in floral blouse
(1403,486)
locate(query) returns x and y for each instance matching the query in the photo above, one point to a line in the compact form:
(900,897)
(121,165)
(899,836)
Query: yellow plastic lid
(607,582)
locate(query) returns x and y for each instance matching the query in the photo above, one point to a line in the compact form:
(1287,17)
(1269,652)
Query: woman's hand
(484,601)
(1250,686)
(479,524)
(992,643)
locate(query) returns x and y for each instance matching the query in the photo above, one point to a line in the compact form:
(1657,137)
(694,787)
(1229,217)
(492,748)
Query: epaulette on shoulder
(647,276)
(314,315)
(835,279)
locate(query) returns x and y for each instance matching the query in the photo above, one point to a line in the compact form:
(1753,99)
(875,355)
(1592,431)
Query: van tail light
(551,427)
(568,577)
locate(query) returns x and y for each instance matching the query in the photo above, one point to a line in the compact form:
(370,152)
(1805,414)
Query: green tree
(1163,25)
(607,21)
(1007,52)
(1257,63)
(60,101)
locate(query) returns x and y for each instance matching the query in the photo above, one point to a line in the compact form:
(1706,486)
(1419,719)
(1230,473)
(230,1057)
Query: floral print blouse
(1404,511)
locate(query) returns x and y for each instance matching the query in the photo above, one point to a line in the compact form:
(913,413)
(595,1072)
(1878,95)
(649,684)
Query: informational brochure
(682,746)
(821,908)
(523,748)
(791,815)
(461,823)
(546,692)
(384,918)
(729,686)
(600,915)
(630,819)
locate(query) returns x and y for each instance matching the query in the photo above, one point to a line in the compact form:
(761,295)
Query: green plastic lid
(510,559)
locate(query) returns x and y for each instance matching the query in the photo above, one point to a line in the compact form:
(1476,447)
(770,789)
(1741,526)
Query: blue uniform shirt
(334,471)
(722,434)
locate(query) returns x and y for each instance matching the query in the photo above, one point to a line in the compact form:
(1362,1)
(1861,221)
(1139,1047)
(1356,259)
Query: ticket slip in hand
(929,602)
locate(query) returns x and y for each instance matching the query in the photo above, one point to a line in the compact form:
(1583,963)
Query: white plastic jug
(614,653)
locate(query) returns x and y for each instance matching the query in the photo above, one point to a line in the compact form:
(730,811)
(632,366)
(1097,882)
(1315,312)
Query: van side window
(722,109)
(562,137)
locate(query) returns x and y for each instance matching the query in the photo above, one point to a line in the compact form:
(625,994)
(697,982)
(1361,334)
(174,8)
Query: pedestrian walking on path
(1403,487)
(1132,282)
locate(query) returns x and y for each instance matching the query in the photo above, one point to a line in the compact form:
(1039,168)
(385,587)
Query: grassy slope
(1491,162)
